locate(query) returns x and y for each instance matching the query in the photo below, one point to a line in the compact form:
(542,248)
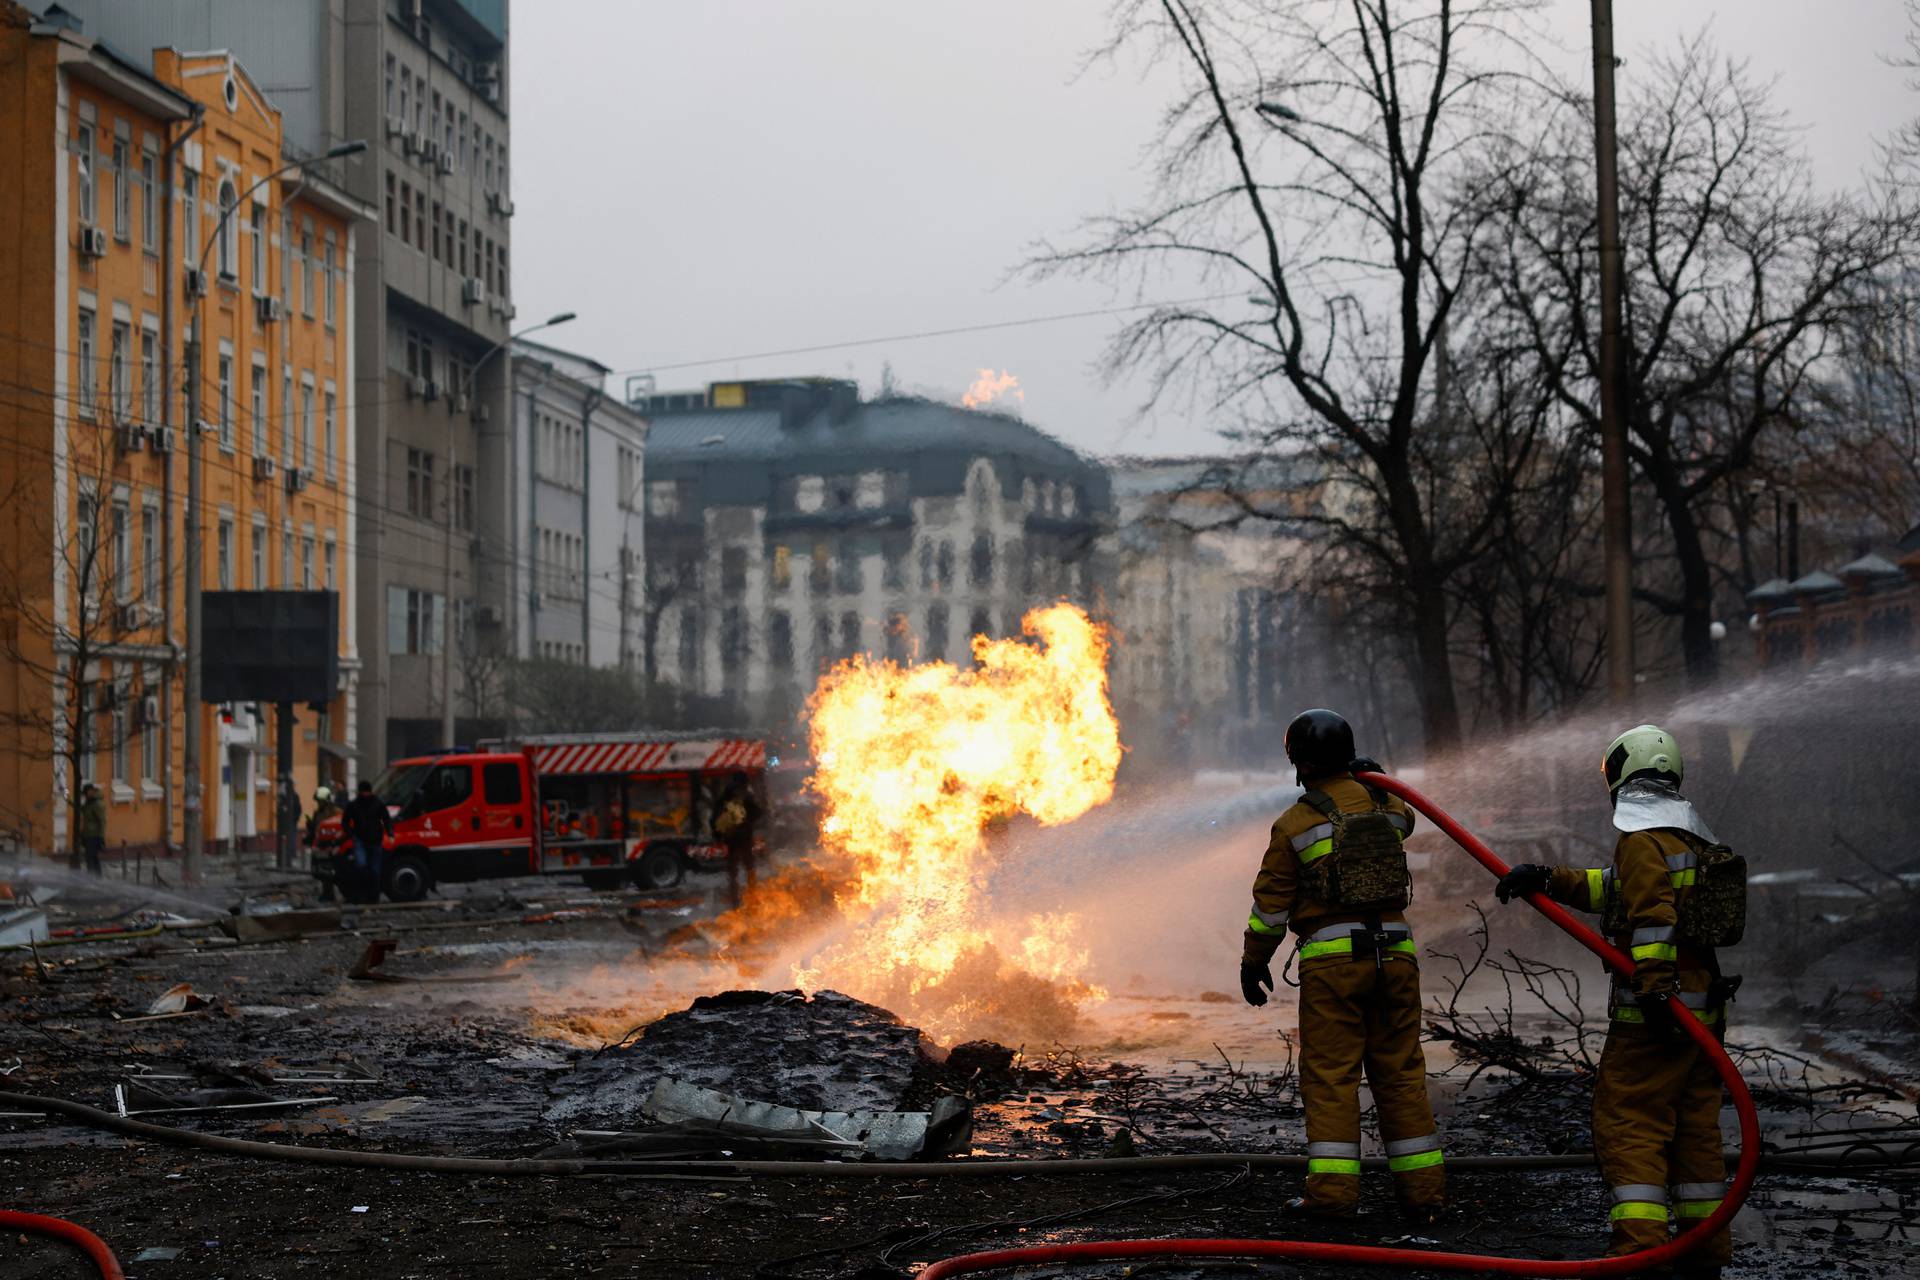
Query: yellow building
(140,214)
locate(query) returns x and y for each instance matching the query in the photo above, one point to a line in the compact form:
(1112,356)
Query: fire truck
(627,808)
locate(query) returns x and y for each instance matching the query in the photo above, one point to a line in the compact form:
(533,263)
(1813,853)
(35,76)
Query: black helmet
(1319,742)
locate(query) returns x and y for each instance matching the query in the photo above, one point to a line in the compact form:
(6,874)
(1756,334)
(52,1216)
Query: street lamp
(192,844)
(448,638)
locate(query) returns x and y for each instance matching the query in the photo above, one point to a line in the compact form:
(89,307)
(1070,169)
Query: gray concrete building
(579,531)
(424,82)
(791,524)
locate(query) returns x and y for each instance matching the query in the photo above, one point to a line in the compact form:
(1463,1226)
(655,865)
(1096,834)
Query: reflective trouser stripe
(1653,933)
(1700,1191)
(1349,1168)
(1696,1208)
(1638,1209)
(1419,1160)
(1344,947)
(1414,1146)
(1334,1157)
(1639,1191)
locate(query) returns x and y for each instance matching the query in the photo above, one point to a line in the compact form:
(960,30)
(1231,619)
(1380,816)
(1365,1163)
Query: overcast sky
(708,179)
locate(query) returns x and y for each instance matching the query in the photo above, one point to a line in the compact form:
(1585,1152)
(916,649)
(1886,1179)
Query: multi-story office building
(790,525)
(424,82)
(146,205)
(577,513)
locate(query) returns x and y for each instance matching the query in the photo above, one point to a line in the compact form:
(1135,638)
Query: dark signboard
(269,646)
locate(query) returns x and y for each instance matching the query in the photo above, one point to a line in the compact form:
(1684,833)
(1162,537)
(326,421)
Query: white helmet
(1643,749)
(323,794)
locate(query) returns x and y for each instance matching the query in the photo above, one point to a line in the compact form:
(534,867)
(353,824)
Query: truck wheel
(604,879)
(409,879)
(660,867)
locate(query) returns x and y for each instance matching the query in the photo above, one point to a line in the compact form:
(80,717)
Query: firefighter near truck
(613,809)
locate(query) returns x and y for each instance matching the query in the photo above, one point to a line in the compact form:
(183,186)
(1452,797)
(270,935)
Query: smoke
(28,876)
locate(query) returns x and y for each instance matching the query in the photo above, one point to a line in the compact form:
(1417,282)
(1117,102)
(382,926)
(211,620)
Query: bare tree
(80,583)
(1740,278)
(1316,158)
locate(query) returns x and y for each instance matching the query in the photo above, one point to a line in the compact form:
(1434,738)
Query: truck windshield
(397,783)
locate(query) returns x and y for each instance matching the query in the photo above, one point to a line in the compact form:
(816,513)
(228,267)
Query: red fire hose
(71,1233)
(1373,1255)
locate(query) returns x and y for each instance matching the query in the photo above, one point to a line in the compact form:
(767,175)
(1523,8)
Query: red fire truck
(612,808)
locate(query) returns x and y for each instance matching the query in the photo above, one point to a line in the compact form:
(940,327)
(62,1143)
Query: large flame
(991,386)
(915,766)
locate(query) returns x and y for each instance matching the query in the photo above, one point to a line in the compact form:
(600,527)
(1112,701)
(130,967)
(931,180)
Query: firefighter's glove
(1254,975)
(1528,877)
(1365,764)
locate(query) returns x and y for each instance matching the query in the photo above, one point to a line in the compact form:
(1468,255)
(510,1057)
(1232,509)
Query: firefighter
(1334,873)
(1668,896)
(323,809)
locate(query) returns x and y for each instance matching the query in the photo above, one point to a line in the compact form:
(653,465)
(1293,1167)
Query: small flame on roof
(991,386)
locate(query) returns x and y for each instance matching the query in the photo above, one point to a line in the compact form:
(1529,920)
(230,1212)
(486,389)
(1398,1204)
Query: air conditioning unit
(431,392)
(155,615)
(487,615)
(267,308)
(296,479)
(161,439)
(263,467)
(446,162)
(473,291)
(132,439)
(129,617)
(149,710)
(493,202)
(416,388)
(396,126)
(492,91)
(196,282)
(509,312)
(456,402)
(420,142)
(105,696)
(482,413)
(506,207)
(93,242)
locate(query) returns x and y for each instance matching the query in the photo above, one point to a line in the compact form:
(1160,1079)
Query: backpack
(1367,867)
(732,817)
(1714,913)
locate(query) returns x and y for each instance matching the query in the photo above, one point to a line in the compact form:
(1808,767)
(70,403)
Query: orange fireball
(912,764)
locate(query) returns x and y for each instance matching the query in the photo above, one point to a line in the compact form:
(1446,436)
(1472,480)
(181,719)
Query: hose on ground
(1661,1257)
(1877,1157)
(68,1233)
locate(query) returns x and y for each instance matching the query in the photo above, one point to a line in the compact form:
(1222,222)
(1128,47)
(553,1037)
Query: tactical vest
(1713,910)
(1364,867)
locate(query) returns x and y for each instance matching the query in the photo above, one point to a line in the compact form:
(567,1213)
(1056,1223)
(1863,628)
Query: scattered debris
(264,926)
(178,998)
(368,968)
(886,1135)
(157,1253)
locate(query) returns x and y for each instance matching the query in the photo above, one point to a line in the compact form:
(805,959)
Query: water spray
(1376,1255)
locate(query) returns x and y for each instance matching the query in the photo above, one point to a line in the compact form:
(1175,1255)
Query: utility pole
(192,846)
(1616,511)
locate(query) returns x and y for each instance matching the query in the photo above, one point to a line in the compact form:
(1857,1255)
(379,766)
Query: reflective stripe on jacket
(1300,836)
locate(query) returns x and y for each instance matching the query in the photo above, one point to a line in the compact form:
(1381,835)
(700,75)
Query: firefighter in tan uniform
(1335,875)
(1672,893)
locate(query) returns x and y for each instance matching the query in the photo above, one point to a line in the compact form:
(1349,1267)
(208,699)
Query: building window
(849,634)
(388,100)
(818,570)
(149,376)
(306,563)
(122,553)
(781,575)
(190,216)
(897,637)
(257,228)
(119,371)
(406,97)
(286,555)
(663,498)
(286,415)
(850,570)
(223,234)
(88,210)
(436,232)
(822,641)
(935,647)
(980,624)
(306,271)
(943,565)
(980,563)
(226,400)
(117,747)
(224,554)
(780,646)
(149,731)
(629,477)
(420,483)
(286,260)
(733,570)
(150,551)
(461,240)
(893,565)
(306,426)
(327,278)
(87,541)
(486,150)
(733,643)
(926,566)
(149,201)
(122,192)
(413,621)
(390,202)
(89,387)
(420,219)
(406,212)
(330,555)
(259,553)
(257,407)
(329,407)
(463,498)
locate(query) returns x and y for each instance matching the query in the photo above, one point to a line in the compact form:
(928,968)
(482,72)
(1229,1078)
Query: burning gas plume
(991,386)
(915,765)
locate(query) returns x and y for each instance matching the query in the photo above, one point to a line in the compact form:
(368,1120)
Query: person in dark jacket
(736,817)
(93,828)
(368,826)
